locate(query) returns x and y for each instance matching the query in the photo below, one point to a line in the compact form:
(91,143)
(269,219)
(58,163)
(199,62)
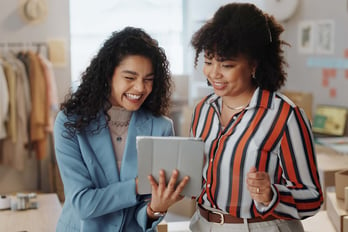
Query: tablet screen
(168,153)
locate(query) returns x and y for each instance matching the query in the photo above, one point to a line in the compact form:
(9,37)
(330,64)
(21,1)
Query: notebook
(168,153)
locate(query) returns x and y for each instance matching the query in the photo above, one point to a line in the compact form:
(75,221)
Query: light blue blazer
(97,197)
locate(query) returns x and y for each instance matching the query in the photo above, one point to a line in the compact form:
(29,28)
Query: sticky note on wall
(57,52)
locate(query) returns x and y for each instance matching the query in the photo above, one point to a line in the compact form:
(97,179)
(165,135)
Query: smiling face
(132,82)
(229,77)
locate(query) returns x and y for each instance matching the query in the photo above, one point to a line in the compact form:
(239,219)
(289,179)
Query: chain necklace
(119,124)
(119,129)
(235,108)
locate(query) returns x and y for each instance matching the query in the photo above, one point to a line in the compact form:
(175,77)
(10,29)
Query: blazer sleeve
(88,200)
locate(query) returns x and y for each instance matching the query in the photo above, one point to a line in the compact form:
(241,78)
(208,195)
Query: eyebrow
(208,56)
(136,74)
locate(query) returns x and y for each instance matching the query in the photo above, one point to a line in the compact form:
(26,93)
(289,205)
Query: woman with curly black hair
(261,172)
(124,93)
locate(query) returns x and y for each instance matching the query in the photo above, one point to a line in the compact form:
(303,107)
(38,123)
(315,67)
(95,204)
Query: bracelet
(156,213)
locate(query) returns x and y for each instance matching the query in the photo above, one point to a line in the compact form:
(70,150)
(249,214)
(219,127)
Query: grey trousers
(200,224)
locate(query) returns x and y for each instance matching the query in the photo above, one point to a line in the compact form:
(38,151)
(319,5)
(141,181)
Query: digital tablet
(185,154)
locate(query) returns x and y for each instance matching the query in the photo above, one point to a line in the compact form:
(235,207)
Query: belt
(221,218)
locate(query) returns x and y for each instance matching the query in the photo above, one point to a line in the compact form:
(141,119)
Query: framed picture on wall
(325,37)
(306,37)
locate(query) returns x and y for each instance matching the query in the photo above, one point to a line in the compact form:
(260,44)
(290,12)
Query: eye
(129,78)
(149,79)
(207,62)
(227,65)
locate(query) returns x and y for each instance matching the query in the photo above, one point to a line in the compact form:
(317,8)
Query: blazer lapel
(104,151)
(140,124)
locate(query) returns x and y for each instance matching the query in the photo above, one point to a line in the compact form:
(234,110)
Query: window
(92,22)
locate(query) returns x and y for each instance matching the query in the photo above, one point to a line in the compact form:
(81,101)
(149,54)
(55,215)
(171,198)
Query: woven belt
(221,218)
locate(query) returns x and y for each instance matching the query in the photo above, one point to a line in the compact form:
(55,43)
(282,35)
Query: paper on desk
(339,144)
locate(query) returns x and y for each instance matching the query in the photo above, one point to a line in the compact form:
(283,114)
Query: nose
(214,71)
(139,85)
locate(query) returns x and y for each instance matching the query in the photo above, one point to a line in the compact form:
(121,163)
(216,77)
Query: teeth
(133,96)
(219,83)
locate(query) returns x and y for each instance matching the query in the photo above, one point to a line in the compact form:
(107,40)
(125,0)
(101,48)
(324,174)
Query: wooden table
(42,219)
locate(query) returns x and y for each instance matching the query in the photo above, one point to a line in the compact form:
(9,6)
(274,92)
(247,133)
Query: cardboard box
(319,222)
(162,226)
(301,99)
(335,211)
(329,162)
(327,181)
(341,181)
(346,198)
(186,207)
(345,224)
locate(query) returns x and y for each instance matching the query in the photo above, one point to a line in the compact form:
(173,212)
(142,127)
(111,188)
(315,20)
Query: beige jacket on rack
(14,153)
(4,103)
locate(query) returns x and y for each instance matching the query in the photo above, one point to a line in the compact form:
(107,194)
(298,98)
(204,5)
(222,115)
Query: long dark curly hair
(92,95)
(243,29)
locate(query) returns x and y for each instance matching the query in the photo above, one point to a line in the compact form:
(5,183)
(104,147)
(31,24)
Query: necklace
(119,129)
(119,124)
(235,108)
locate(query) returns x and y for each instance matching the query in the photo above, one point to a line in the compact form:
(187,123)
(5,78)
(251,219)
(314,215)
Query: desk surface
(329,160)
(43,219)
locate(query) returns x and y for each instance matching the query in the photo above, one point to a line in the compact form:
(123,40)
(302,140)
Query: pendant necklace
(119,122)
(119,129)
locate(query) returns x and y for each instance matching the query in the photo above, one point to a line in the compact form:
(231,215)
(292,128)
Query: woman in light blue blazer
(124,93)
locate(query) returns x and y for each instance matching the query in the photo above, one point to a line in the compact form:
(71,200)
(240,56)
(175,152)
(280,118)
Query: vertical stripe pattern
(273,135)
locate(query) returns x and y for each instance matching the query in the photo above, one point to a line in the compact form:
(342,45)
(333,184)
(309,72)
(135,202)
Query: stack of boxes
(337,202)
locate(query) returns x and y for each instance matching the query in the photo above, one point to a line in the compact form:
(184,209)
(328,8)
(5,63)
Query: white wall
(14,29)
(303,77)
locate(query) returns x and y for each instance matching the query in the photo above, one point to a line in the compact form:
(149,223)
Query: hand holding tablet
(184,154)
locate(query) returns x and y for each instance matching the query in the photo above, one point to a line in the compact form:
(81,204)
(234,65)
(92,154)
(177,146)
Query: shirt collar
(261,98)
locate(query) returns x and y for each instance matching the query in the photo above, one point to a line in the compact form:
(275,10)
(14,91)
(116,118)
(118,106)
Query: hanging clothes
(51,91)
(13,152)
(11,83)
(29,103)
(38,117)
(4,103)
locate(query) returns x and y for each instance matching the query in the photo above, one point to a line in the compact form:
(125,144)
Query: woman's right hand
(163,196)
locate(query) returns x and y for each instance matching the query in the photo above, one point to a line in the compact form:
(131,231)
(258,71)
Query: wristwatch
(156,213)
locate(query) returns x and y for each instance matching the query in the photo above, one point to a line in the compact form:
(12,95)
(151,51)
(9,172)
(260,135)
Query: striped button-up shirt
(271,134)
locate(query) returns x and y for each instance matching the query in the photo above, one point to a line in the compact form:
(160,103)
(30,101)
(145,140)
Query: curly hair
(243,29)
(94,92)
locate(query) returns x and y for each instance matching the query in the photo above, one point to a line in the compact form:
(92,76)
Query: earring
(253,75)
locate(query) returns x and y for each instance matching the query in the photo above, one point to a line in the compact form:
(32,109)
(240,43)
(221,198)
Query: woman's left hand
(259,186)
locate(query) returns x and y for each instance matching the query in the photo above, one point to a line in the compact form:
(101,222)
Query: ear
(253,65)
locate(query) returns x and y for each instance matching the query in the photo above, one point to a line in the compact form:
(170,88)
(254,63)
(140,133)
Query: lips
(219,85)
(133,96)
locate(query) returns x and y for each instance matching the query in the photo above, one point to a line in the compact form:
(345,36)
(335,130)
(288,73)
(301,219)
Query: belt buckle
(222,219)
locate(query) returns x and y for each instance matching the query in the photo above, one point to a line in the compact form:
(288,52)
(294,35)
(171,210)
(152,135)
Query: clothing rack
(38,48)
(26,45)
